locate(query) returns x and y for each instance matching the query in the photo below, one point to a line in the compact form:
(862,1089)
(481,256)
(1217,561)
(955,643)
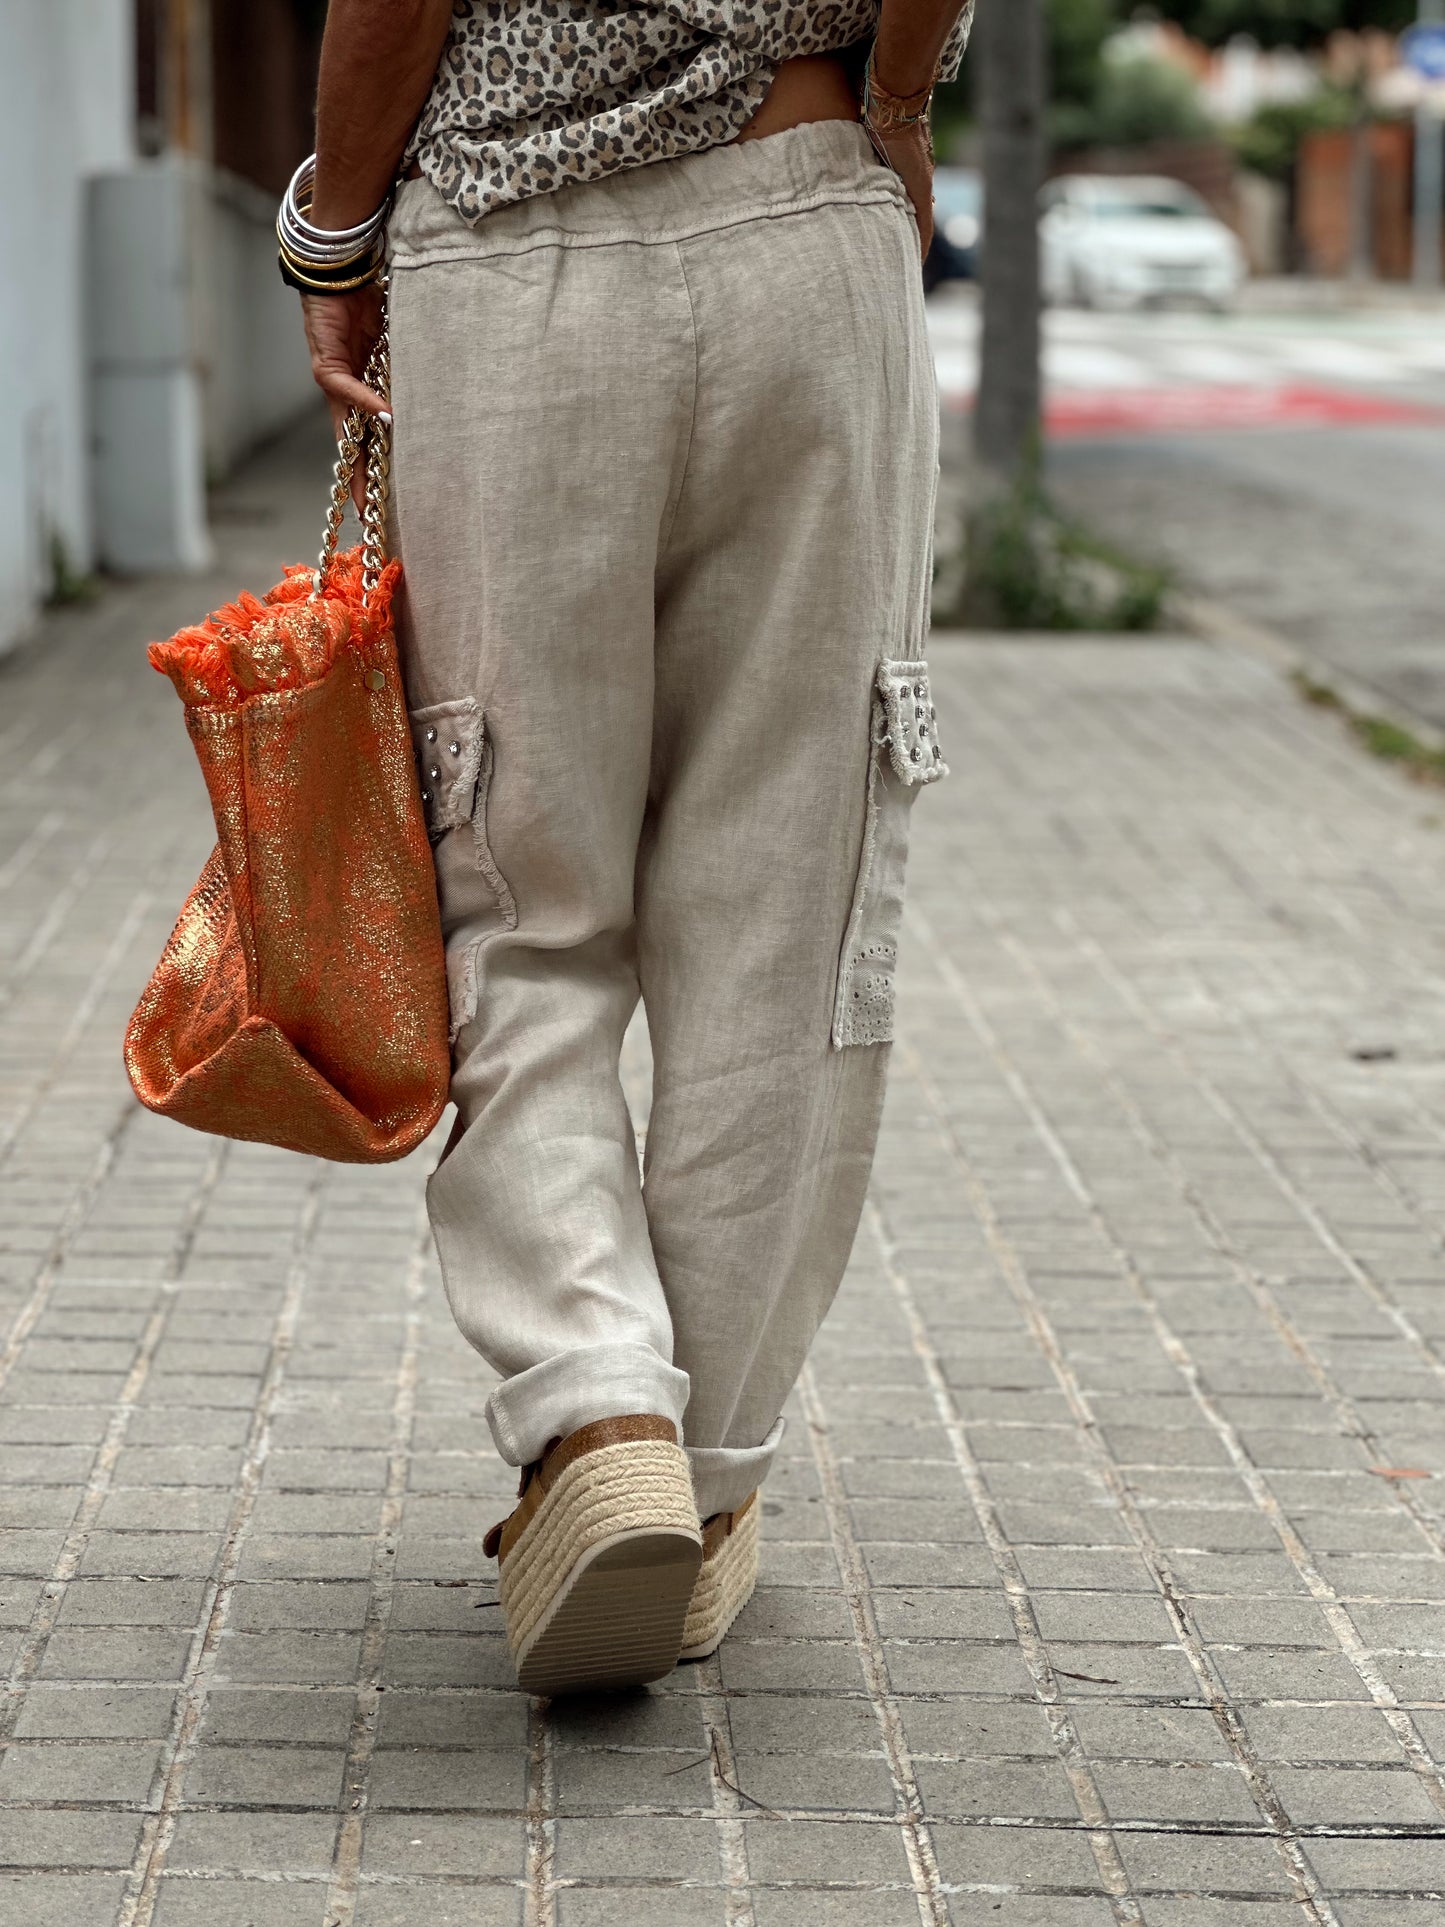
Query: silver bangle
(322,247)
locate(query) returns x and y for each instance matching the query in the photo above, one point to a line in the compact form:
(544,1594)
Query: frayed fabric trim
(282,641)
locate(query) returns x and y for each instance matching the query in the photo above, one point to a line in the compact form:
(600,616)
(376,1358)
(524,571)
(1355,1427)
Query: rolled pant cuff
(723,1476)
(578,1387)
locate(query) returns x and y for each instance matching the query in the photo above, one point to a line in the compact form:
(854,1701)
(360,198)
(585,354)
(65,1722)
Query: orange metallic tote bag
(301,999)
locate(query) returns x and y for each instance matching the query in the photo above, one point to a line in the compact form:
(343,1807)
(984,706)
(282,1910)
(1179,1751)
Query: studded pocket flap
(910,722)
(450,744)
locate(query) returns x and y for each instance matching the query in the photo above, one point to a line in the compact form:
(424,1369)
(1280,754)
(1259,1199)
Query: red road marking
(1222,405)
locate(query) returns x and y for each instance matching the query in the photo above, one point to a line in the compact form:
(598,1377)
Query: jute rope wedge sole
(727,1580)
(599,1559)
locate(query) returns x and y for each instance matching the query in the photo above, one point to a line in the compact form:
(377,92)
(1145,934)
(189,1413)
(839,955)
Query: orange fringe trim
(284,641)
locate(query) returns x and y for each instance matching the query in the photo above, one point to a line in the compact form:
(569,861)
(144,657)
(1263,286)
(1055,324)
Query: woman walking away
(664,457)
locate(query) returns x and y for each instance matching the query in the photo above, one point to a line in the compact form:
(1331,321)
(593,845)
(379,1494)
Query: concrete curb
(1212,622)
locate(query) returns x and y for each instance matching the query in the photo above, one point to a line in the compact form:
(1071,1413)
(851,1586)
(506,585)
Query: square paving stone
(1084,1672)
(1307,1734)
(958,1666)
(1186,1863)
(1262,1673)
(254,1843)
(833,1907)
(151,1555)
(1032,1910)
(1048,1859)
(340,1555)
(1353,1912)
(809,1666)
(833,1783)
(1212,1793)
(671,1720)
(59,1899)
(436,1905)
(778,1724)
(115,1653)
(1338,1796)
(440,1659)
(969,1729)
(1172,1733)
(593,1781)
(444,1843)
(894,1564)
(1200,1911)
(271,1713)
(132,1602)
(1075,1617)
(669,1849)
(281,1776)
(814,1851)
(488,1778)
(90,1770)
(26,1553)
(789,1612)
(956,1613)
(636,1907)
(240,1903)
(997,1789)
(295,1655)
(313,1606)
(1380,1866)
(462,1607)
(38,1838)
(52,1711)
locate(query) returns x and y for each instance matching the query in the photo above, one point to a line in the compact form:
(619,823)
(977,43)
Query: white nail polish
(384,417)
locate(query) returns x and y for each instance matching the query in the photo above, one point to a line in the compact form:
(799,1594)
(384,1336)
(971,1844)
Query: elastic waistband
(820,163)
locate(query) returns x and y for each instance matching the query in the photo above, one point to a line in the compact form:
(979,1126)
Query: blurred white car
(1117,241)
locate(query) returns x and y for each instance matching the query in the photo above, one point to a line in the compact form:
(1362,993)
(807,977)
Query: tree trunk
(1010,88)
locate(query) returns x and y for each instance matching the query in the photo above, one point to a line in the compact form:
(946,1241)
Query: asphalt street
(1288,465)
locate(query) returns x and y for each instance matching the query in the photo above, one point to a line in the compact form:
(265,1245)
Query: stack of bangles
(321,260)
(885,114)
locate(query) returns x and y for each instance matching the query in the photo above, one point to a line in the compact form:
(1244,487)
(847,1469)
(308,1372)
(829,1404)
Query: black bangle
(330,280)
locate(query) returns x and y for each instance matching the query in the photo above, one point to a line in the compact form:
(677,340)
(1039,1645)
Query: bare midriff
(807,87)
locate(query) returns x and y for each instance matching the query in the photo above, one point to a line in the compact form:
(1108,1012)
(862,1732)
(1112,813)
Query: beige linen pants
(665,453)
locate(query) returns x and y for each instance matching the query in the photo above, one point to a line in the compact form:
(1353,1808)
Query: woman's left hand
(341,331)
(910,155)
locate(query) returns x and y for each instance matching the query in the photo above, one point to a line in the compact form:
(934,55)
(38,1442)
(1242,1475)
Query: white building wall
(136,361)
(66,93)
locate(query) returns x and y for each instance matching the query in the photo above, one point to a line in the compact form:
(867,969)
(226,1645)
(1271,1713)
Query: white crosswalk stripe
(1400,353)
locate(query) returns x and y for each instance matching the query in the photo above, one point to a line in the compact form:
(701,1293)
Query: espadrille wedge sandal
(725,1583)
(598,1560)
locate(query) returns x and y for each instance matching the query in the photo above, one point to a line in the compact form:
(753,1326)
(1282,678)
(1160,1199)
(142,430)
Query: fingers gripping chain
(369,433)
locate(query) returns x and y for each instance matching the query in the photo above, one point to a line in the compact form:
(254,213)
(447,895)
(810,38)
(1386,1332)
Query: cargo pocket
(904,755)
(454,759)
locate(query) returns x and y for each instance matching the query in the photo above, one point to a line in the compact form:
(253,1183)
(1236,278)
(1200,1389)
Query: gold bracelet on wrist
(886,113)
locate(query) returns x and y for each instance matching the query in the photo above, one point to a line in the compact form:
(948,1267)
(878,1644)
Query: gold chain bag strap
(301,999)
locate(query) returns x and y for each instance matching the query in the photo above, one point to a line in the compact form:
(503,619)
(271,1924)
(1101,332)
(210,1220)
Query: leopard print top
(532,94)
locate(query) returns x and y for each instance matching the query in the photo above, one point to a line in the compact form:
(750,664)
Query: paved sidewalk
(1105,1571)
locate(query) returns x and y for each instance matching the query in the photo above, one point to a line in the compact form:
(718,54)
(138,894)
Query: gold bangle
(299,278)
